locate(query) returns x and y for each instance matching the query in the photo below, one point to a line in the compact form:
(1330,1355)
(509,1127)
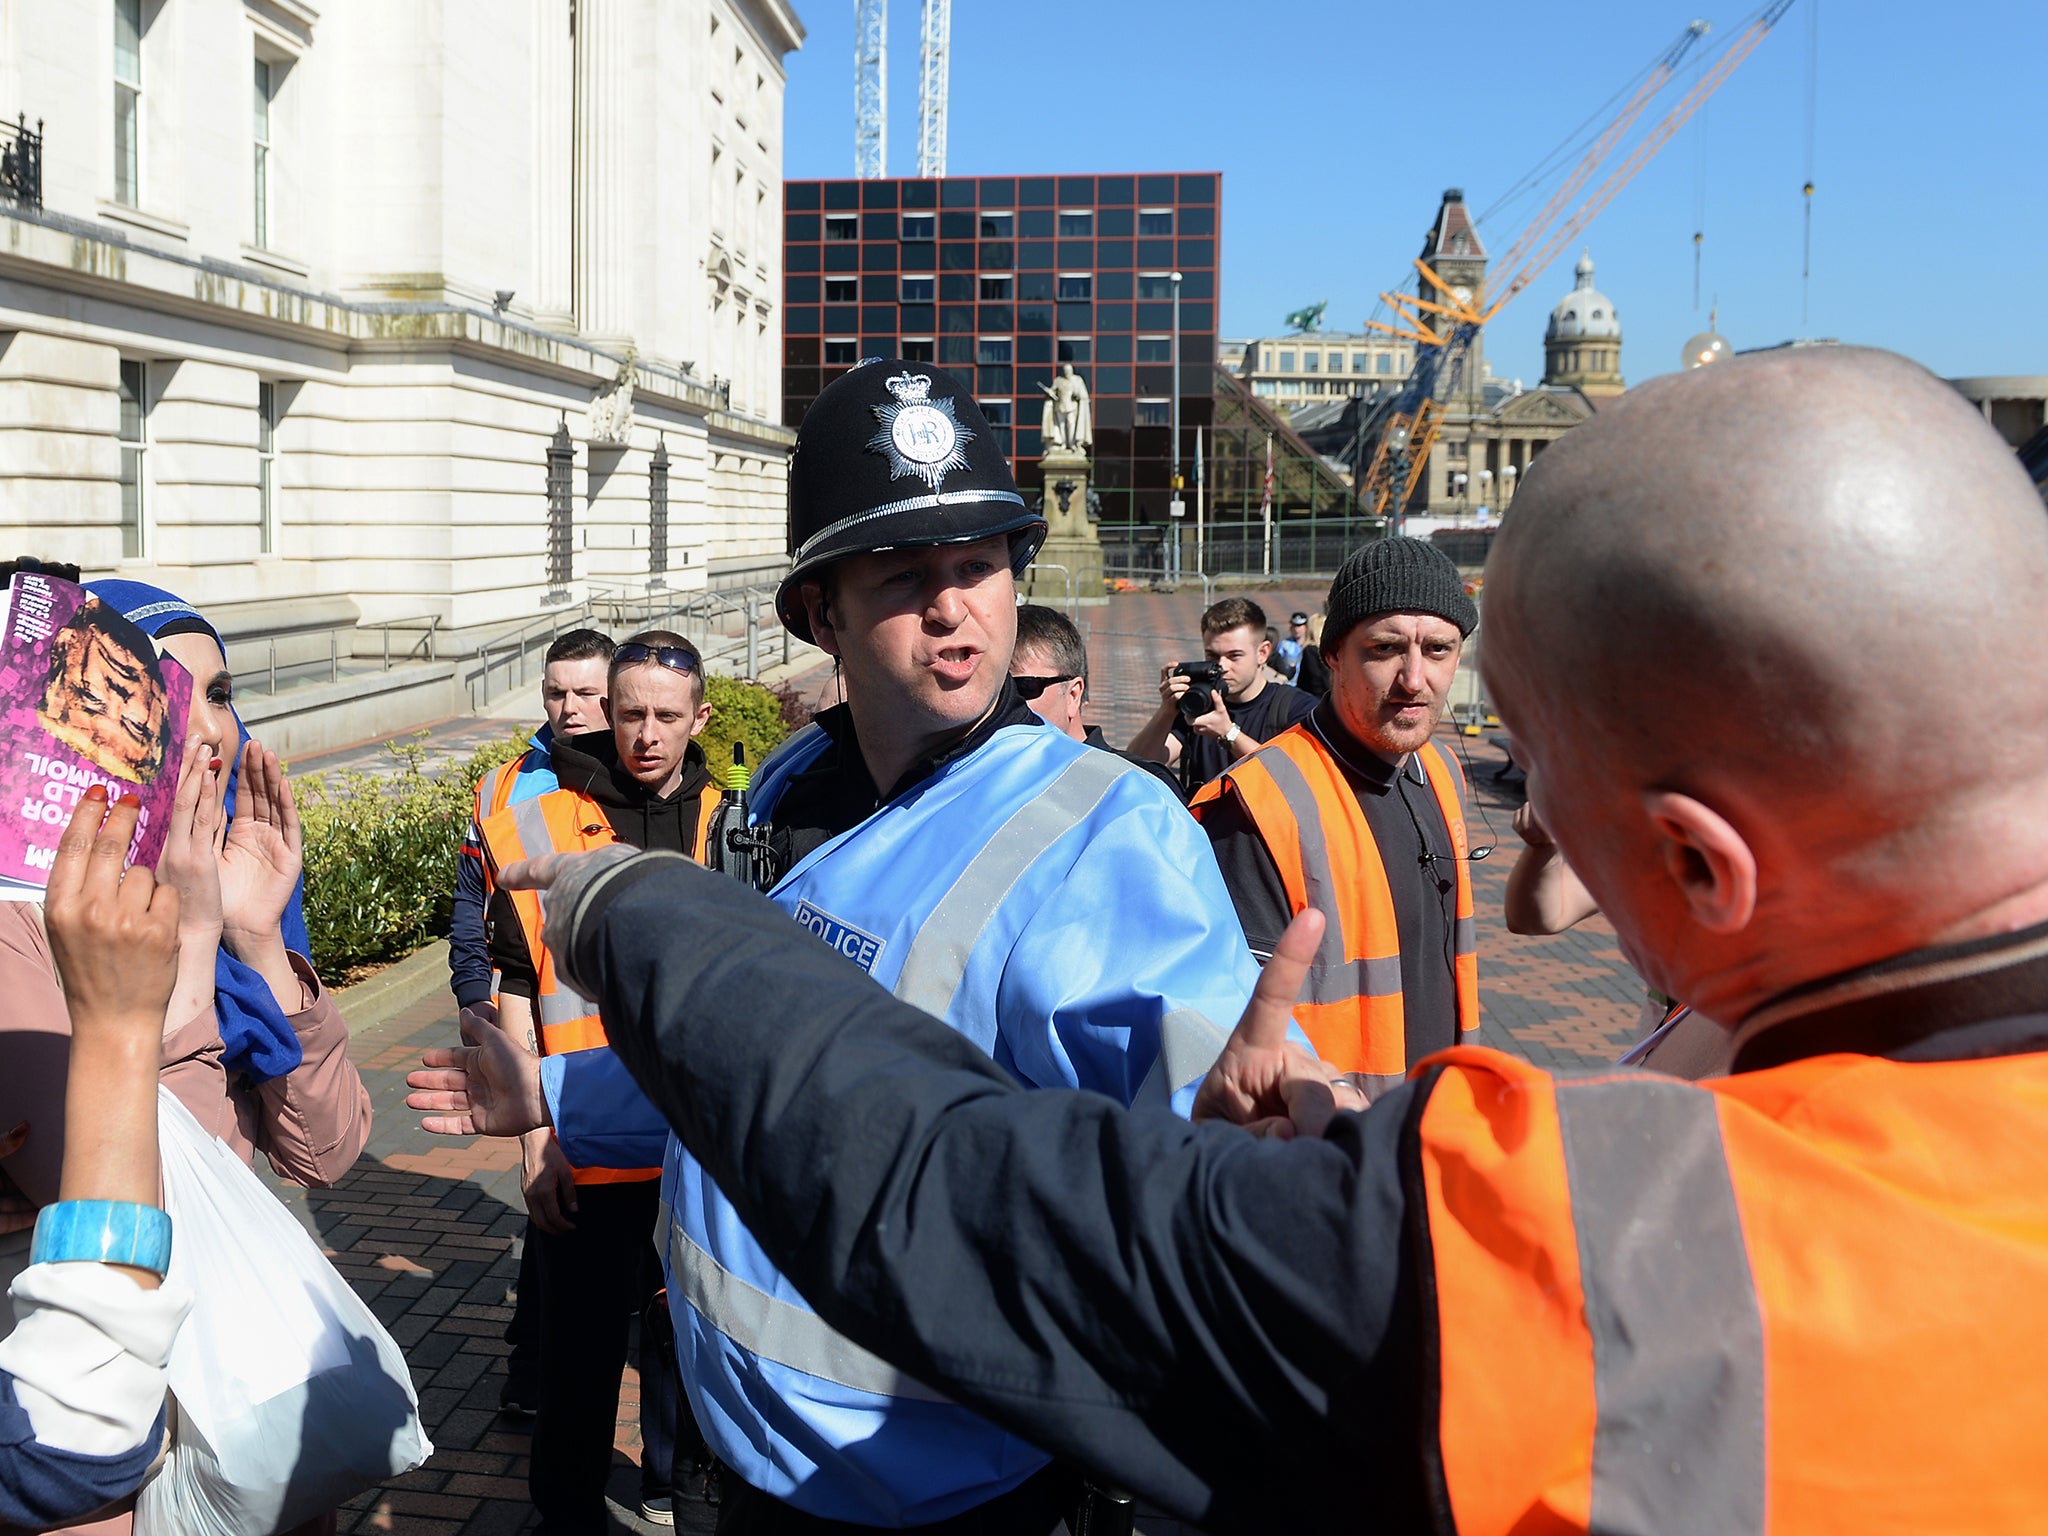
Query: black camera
(1205,678)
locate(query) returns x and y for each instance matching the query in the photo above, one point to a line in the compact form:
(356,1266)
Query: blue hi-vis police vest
(1059,908)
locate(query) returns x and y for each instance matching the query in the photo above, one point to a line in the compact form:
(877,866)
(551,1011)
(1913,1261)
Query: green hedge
(381,850)
(744,712)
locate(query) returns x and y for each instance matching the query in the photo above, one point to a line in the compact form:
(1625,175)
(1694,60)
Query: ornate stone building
(1582,342)
(1494,428)
(302,295)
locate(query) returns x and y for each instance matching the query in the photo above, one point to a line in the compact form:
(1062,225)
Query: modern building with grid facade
(1000,279)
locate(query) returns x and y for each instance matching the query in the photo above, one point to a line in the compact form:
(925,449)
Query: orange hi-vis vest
(494,789)
(1798,1300)
(1310,821)
(564,821)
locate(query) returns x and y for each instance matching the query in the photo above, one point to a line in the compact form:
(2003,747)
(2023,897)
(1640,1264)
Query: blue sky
(1337,124)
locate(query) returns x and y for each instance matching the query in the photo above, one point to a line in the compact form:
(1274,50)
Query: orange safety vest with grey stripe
(1802,1299)
(1310,821)
(565,821)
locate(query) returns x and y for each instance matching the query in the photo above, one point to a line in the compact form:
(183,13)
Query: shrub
(381,852)
(740,711)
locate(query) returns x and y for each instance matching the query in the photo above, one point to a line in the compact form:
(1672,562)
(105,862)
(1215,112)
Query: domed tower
(1582,343)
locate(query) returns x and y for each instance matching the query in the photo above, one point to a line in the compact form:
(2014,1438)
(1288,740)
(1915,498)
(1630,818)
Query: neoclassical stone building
(1494,428)
(303,295)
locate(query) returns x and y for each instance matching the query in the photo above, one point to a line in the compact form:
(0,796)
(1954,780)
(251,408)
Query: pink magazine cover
(84,699)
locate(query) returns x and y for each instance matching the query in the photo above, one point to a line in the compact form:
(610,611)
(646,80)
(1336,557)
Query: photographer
(1215,712)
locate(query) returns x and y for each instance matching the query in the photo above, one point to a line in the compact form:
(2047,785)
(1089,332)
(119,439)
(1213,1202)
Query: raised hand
(190,861)
(1264,1081)
(113,930)
(262,853)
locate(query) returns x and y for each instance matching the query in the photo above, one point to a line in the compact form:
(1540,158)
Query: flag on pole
(1266,501)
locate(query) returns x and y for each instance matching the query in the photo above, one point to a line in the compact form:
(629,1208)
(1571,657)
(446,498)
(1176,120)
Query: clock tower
(1451,249)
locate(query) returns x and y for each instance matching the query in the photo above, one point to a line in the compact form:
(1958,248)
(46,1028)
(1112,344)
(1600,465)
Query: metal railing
(1299,546)
(621,609)
(425,643)
(21,162)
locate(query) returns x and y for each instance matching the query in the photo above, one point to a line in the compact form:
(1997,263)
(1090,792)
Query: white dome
(1585,312)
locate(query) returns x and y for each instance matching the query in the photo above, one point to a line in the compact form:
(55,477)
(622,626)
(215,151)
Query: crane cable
(1699,202)
(1812,133)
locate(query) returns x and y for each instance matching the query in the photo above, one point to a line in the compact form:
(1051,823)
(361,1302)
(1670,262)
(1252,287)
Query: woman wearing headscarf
(252,1043)
(266,1067)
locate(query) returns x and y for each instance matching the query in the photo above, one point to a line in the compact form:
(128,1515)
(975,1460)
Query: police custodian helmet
(896,455)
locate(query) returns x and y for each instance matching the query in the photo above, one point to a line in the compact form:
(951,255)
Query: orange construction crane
(1442,321)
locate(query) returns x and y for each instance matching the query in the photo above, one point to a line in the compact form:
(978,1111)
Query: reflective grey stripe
(1671,1305)
(946,941)
(532,822)
(1466,933)
(562,1006)
(1331,977)
(908,504)
(777,1330)
(487,787)
(1189,1043)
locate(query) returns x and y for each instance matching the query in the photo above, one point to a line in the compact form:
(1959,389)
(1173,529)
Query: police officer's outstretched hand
(486,1087)
(1264,1081)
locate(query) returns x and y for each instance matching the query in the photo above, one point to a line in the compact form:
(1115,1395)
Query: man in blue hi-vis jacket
(1052,903)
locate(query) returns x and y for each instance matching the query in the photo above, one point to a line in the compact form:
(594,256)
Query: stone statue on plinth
(1071,557)
(1066,422)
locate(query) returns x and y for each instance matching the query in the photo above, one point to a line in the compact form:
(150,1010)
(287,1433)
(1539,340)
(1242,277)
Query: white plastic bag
(288,1395)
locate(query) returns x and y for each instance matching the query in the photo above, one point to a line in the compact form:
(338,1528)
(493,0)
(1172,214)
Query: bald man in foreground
(1741,624)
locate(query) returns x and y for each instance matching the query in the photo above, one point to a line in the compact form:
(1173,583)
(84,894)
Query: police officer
(981,864)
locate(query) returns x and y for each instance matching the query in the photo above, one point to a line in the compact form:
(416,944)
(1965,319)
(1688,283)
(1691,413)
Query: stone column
(554,154)
(604,189)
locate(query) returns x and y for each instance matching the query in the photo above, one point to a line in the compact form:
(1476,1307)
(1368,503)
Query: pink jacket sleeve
(314,1122)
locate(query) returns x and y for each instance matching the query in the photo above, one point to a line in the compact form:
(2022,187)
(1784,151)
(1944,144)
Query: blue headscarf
(259,1039)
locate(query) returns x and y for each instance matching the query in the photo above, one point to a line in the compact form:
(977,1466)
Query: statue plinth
(1072,541)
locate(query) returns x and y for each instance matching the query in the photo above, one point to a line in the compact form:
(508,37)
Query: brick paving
(427,1229)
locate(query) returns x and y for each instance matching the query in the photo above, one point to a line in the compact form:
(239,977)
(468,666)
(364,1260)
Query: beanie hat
(1398,575)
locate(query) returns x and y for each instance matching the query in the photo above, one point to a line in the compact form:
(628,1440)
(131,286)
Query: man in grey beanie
(1357,812)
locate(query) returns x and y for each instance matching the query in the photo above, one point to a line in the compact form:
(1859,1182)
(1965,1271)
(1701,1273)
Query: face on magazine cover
(104,697)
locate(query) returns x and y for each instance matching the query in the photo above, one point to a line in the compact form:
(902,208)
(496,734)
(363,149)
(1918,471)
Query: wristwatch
(1231,735)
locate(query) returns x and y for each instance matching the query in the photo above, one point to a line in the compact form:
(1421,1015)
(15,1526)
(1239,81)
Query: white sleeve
(88,1353)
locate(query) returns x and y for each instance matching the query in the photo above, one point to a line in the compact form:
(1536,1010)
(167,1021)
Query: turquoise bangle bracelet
(103,1232)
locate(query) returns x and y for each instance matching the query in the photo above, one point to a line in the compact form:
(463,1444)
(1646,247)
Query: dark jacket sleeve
(469,961)
(41,1486)
(508,951)
(1225,1325)
(1249,873)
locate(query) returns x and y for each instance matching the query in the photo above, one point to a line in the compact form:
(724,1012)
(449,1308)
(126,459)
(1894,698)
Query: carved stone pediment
(1535,409)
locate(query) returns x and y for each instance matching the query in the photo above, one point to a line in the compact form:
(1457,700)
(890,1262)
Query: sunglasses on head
(672,657)
(1032,687)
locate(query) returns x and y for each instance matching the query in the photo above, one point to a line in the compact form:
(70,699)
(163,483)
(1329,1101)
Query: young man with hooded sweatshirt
(644,783)
(979,863)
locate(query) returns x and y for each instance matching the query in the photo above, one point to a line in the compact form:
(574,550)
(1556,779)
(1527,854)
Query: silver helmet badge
(919,435)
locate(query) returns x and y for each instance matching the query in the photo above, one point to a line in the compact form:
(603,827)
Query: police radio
(748,856)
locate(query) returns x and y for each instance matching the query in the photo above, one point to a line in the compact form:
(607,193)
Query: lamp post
(1173,524)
